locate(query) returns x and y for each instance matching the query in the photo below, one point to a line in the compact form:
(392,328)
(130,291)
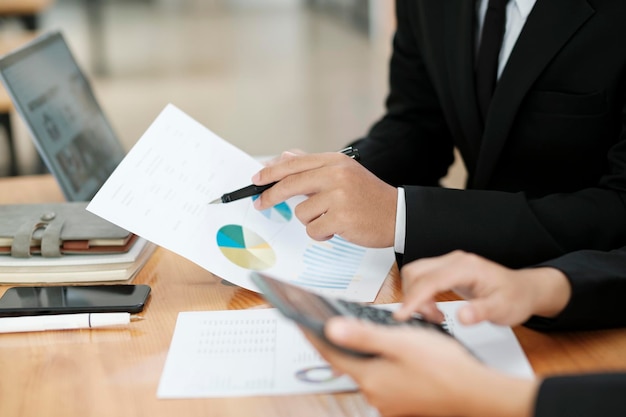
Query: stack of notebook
(76,268)
(65,243)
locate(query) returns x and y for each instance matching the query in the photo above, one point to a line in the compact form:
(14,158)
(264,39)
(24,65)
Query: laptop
(66,123)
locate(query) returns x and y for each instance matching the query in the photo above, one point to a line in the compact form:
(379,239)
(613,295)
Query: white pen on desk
(64,322)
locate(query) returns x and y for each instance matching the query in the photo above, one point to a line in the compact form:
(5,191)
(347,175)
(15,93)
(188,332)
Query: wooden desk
(27,10)
(109,372)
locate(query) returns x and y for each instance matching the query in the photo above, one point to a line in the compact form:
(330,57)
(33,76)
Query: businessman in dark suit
(545,151)
(420,372)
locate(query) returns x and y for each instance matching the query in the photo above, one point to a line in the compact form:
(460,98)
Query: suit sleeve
(514,229)
(598,281)
(411,143)
(590,395)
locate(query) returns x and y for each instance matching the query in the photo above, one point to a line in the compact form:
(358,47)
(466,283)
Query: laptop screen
(69,129)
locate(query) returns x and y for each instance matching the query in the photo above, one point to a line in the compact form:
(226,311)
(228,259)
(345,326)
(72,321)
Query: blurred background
(265,75)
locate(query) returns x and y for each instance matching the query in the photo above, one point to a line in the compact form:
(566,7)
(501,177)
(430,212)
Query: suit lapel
(548,27)
(459,30)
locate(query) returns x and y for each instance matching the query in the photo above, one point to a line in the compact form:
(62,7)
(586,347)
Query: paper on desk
(259,352)
(494,345)
(161,191)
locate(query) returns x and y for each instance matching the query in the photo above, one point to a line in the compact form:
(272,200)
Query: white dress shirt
(517,12)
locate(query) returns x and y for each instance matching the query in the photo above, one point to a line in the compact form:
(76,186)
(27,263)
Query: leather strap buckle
(48,230)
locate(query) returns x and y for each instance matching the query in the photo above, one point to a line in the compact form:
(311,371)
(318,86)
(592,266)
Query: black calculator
(312,310)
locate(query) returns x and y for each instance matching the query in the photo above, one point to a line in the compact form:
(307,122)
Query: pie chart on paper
(280,213)
(245,248)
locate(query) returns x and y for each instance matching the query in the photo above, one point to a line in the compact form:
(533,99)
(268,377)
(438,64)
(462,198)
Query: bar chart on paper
(333,264)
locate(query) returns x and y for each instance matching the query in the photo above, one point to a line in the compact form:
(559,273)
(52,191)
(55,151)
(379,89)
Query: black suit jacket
(547,168)
(598,281)
(593,395)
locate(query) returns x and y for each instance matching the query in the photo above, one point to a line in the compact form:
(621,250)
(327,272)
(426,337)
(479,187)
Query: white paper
(243,353)
(259,352)
(161,191)
(494,345)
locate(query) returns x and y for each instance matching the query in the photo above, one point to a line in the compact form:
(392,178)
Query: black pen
(252,190)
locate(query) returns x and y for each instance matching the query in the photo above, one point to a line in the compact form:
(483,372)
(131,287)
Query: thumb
(473,312)
(361,336)
(485,309)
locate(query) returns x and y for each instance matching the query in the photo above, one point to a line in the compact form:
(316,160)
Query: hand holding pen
(344,198)
(252,190)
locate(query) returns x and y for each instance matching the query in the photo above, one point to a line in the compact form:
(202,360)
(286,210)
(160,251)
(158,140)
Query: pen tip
(216,201)
(135,317)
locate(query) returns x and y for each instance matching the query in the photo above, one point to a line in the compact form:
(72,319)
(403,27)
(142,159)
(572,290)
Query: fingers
(320,215)
(304,183)
(311,209)
(285,154)
(298,175)
(495,293)
(496,309)
(291,163)
(471,314)
(488,285)
(364,336)
(425,278)
(430,312)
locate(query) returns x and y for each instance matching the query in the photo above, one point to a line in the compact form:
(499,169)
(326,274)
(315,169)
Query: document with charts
(161,191)
(259,352)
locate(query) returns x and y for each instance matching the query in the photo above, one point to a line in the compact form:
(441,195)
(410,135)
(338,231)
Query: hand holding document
(161,191)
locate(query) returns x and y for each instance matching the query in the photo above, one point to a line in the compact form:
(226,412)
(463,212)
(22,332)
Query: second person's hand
(495,293)
(345,199)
